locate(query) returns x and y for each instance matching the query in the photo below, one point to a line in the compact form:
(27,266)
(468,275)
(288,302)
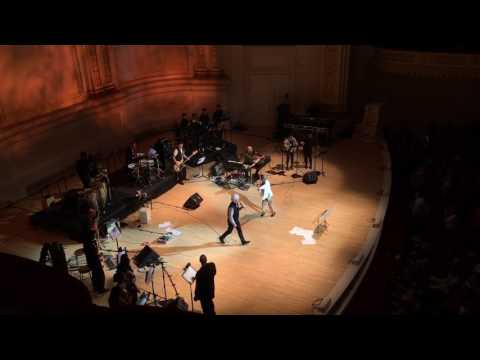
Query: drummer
(152,153)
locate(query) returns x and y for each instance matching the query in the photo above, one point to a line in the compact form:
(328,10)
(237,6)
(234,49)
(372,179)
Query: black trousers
(208,307)
(290,158)
(307,156)
(182,174)
(95,265)
(229,231)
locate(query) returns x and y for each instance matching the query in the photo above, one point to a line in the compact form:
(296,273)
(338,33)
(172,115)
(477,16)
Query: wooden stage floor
(277,273)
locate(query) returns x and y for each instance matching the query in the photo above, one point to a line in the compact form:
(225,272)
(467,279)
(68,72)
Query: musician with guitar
(290,145)
(180,159)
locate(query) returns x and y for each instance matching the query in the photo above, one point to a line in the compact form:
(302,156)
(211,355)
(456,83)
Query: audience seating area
(438,269)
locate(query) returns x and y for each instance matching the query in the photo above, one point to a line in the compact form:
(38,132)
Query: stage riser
(124,203)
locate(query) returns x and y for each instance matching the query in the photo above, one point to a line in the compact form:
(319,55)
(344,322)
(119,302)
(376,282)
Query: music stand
(188,275)
(282,165)
(322,153)
(113,232)
(322,220)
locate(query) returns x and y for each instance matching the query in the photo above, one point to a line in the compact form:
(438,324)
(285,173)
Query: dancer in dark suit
(233,220)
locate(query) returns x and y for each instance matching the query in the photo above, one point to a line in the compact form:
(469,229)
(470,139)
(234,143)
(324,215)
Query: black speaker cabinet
(146,257)
(310,177)
(193,202)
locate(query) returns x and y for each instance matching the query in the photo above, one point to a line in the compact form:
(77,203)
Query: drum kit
(145,169)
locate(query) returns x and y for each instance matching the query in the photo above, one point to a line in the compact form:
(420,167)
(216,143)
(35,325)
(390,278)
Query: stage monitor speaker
(193,202)
(146,257)
(217,169)
(310,177)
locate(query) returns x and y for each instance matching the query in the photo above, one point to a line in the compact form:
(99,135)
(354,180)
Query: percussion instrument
(147,163)
(237,165)
(201,160)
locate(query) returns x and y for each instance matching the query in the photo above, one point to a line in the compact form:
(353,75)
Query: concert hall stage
(286,269)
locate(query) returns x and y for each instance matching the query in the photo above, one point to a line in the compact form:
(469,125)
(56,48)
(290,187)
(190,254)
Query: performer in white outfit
(267,195)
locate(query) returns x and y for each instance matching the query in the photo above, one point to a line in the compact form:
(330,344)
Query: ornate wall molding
(423,64)
(200,68)
(206,61)
(95,68)
(213,63)
(21,131)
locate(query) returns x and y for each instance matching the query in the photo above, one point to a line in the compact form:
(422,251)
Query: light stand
(282,167)
(322,153)
(149,276)
(164,271)
(164,284)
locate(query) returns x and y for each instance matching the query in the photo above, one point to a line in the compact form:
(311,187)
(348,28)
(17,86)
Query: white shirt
(266,190)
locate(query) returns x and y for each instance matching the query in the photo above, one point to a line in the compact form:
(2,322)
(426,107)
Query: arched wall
(58,100)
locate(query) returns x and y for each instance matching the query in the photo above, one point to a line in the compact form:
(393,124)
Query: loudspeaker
(310,177)
(193,202)
(217,169)
(146,257)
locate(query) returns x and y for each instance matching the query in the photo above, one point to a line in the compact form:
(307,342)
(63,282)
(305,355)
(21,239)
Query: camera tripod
(164,271)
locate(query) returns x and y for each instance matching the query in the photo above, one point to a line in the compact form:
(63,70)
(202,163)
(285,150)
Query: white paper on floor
(165,225)
(174,232)
(307,235)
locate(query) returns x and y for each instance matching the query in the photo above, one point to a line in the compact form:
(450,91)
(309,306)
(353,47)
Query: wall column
(95,68)
(334,84)
(201,69)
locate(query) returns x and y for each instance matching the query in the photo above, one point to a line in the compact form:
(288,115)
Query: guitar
(179,165)
(290,144)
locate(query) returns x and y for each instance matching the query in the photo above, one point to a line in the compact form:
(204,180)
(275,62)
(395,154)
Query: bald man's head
(203,259)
